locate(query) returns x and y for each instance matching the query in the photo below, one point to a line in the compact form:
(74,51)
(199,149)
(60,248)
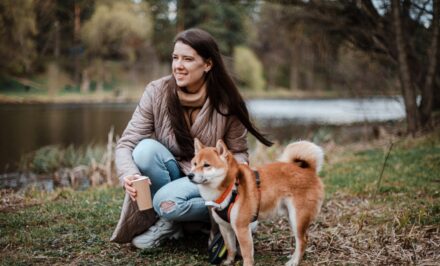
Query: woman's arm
(141,126)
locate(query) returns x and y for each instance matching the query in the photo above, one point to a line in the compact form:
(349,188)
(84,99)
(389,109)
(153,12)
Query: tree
(17,30)
(248,68)
(428,95)
(164,27)
(271,45)
(59,27)
(115,30)
(406,82)
(303,54)
(400,30)
(223,19)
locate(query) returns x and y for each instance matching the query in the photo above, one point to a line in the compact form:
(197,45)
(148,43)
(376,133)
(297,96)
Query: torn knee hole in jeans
(167,206)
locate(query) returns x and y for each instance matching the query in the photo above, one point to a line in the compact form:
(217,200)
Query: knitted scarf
(192,103)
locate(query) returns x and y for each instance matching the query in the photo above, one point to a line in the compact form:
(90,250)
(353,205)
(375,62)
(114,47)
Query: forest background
(110,49)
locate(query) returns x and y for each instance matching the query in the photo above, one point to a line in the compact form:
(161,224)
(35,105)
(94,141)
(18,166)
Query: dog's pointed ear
(221,148)
(197,145)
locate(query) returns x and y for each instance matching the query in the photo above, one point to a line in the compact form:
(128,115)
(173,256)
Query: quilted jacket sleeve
(141,126)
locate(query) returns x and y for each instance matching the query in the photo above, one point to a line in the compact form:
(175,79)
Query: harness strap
(225,194)
(225,213)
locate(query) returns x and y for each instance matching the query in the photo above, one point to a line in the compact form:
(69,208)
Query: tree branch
(423,9)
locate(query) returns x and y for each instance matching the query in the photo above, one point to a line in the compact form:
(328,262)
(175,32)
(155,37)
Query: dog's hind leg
(230,242)
(298,226)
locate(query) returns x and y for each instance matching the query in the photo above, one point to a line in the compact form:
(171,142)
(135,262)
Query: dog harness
(223,207)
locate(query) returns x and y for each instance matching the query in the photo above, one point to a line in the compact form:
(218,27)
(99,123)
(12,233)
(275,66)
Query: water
(25,128)
(334,111)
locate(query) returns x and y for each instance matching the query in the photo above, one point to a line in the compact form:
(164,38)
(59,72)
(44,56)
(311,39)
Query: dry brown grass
(353,230)
(10,200)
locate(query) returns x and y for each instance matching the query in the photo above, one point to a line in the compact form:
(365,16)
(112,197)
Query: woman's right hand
(128,185)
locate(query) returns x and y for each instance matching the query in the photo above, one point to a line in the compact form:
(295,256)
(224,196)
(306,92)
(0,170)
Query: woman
(198,100)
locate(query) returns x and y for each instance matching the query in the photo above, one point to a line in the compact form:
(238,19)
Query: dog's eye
(195,164)
(206,165)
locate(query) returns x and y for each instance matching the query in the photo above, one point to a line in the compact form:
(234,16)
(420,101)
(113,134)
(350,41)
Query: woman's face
(189,67)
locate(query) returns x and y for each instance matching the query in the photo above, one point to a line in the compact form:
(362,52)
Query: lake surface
(25,128)
(334,111)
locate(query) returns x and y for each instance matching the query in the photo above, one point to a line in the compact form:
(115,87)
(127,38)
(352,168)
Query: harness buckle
(213,204)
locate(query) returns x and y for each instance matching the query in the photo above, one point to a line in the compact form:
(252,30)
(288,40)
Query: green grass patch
(411,171)
(410,181)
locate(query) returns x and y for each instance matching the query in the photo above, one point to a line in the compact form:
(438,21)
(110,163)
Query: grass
(397,223)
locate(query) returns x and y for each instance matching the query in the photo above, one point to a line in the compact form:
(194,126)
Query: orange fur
(286,188)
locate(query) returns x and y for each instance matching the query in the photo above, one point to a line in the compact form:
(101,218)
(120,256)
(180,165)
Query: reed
(72,165)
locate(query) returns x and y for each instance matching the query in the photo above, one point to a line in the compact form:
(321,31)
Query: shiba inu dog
(239,195)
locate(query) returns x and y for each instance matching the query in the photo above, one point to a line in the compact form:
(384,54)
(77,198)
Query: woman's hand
(128,185)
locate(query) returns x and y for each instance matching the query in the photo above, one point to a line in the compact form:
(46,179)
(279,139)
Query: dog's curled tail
(304,153)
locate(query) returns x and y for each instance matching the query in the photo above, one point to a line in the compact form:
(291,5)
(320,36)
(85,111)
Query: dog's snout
(190,176)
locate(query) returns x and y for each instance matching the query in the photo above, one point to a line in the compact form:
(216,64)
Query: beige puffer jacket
(150,120)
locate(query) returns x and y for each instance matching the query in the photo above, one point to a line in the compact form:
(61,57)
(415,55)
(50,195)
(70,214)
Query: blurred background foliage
(318,48)
(248,68)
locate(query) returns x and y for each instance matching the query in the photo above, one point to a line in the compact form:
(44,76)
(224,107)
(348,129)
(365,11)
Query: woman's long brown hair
(221,90)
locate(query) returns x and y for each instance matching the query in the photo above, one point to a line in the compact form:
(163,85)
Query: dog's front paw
(293,260)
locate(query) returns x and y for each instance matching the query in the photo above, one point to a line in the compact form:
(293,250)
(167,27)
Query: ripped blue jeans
(175,198)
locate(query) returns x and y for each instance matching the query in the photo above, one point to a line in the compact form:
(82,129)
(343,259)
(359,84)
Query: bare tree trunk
(294,77)
(53,73)
(436,101)
(85,83)
(56,49)
(407,86)
(428,89)
(100,75)
(76,41)
(295,56)
(270,74)
(309,68)
(181,10)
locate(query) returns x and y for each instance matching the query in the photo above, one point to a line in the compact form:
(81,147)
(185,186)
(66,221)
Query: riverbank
(69,98)
(369,216)
(29,127)
(132,95)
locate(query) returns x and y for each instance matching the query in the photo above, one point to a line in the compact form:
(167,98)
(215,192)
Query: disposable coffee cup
(143,194)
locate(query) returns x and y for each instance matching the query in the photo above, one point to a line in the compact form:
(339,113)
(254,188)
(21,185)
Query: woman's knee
(166,205)
(146,152)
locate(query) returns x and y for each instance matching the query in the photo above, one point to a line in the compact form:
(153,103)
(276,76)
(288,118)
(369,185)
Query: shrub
(49,159)
(46,160)
(248,68)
